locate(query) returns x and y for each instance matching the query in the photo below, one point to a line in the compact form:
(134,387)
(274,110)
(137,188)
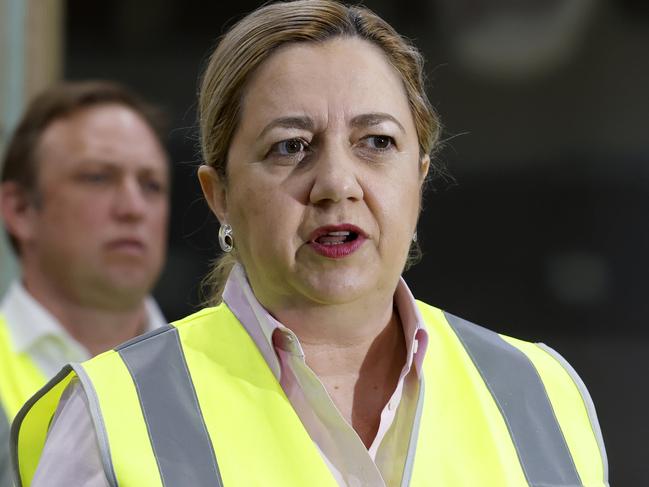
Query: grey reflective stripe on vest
(173,417)
(5,458)
(414,436)
(522,399)
(588,404)
(98,422)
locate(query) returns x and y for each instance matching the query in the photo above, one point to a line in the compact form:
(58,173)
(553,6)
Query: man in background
(84,198)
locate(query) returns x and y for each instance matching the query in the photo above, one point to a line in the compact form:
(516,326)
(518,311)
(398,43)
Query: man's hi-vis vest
(196,404)
(20,378)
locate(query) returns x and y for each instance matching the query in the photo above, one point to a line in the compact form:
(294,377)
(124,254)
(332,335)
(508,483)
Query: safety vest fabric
(196,404)
(20,377)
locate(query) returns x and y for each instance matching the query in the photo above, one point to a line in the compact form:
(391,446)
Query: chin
(132,281)
(341,289)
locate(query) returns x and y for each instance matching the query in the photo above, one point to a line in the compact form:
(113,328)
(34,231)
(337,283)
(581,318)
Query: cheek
(158,215)
(156,225)
(260,214)
(80,214)
(399,200)
(69,232)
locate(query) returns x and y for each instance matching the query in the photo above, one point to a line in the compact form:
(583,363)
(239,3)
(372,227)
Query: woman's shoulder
(200,315)
(209,314)
(524,374)
(204,315)
(497,352)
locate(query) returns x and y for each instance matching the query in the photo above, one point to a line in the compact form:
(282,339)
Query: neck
(345,348)
(357,351)
(96,328)
(345,325)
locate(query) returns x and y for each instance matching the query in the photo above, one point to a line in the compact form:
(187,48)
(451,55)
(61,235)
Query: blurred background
(539,230)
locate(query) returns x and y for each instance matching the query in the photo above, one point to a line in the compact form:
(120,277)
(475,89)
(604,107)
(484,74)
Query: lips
(131,246)
(337,241)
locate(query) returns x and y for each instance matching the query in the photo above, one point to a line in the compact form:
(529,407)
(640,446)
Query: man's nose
(336,177)
(130,201)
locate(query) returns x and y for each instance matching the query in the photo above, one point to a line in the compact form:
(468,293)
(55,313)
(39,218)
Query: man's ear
(424,166)
(17,211)
(214,191)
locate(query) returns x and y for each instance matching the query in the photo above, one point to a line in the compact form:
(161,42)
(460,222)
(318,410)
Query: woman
(316,135)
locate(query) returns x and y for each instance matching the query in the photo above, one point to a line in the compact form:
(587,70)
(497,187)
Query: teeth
(339,234)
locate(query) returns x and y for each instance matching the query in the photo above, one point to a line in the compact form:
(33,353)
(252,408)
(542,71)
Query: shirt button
(289,342)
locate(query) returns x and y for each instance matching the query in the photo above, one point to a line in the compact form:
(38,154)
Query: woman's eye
(379,142)
(289,147)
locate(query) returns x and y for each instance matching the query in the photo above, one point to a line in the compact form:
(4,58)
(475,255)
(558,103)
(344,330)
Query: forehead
(106,133)
(339,78)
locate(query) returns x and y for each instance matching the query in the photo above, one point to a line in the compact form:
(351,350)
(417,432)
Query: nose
(129,203)
(336,178)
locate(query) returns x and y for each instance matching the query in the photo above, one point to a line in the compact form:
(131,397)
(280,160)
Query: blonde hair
(254,39)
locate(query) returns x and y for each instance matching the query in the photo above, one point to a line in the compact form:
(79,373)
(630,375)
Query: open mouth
(337,238)
(337,241)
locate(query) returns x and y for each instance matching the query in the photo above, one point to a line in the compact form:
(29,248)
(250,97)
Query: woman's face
(324,176)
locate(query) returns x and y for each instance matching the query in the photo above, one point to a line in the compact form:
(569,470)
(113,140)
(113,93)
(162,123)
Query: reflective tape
(523,402)
(588,403)
(414,437)
(173,417)
(98,422)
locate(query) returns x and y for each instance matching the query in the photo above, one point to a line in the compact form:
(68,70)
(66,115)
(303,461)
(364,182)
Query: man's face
(98,224)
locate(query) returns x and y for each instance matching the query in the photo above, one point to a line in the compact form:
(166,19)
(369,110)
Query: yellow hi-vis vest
(20,379)
(195,404)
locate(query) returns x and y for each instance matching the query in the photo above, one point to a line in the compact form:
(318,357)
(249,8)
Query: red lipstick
(337,241)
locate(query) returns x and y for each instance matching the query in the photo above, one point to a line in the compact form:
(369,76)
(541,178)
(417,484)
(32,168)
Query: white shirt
(33,329)
(64,462)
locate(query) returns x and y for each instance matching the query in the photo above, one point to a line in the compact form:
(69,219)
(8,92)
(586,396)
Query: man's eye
(152,186)
(94,177)
(289,147)
(379,142)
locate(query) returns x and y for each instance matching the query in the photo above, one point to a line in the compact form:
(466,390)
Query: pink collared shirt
(350,462)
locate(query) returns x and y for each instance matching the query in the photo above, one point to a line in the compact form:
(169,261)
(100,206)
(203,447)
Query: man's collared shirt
(34,330)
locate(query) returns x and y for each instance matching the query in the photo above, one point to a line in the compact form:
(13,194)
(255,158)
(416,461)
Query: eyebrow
(306,123)
(303,123)
(371,119)
(115,166)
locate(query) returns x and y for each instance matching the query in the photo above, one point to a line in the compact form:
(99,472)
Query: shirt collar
(238,296)
(28,321)
(414,329)
(261,326)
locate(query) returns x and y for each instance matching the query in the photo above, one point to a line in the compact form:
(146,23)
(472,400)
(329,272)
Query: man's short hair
(20,163)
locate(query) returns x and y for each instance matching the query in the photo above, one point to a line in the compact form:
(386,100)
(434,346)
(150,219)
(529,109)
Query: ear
(424,166)
(17,211)
(214,191)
